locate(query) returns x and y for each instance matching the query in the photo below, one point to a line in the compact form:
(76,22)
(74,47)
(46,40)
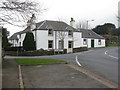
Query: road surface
(101,61)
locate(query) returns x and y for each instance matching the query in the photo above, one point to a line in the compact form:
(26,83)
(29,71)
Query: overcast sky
(102,11)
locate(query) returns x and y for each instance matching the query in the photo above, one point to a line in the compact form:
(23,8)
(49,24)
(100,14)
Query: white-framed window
(50,44)
(84,41)
(70,33)
(99,42)
(50,32)
(70,44)
(61,44)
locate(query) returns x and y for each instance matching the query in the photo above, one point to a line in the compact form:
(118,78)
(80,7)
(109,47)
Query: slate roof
(44,25)
(14,36)
(56,25)
(87,33)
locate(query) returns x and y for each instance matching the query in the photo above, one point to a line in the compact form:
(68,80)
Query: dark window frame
(70,44)
(99,42)
(70,33)
(84,41)
(50,32)
(50,44)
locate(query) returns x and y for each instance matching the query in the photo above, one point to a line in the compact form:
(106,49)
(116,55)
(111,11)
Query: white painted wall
(77,39)
(95,42)
(102,43)
(42,38)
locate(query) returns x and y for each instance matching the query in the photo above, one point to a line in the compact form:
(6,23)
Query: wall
(42,38)
(95,43)
(102,43)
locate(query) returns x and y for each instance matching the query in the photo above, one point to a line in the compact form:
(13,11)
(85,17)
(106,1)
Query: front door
(92,43)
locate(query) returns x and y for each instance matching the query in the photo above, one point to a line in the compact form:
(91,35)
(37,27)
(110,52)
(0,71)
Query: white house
(58,35)
(91,39)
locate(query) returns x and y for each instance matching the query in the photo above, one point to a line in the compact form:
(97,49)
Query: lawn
(29,61)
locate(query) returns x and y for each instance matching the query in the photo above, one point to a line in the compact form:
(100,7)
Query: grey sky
(102,11)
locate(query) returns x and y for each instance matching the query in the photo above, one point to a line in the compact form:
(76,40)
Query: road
(101,61)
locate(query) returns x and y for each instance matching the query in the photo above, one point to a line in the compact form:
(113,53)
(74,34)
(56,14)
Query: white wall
(95,42)
(77,39)
(102,43)
(42,39)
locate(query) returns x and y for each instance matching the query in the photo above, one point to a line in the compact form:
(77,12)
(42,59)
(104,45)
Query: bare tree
(18,12)
(61,35)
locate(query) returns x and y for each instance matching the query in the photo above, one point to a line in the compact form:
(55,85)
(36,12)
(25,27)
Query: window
(61,44)
(70,33)
(99,42)
(84,41)
(50,44)
(70,44)
(50,32)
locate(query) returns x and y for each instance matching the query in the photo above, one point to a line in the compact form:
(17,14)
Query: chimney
(32,22)
(72,23)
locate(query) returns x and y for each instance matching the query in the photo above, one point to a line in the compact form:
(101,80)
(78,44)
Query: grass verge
(113,44)
(30,61)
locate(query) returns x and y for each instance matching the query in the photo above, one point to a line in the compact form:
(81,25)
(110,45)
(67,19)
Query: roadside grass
(31,61)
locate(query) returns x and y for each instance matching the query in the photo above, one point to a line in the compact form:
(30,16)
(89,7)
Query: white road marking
(110,55)
(78,61)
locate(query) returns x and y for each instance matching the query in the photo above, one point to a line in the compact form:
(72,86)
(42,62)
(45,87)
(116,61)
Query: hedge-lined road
(102,61)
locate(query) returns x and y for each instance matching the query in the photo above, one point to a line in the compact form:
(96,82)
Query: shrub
(80,49)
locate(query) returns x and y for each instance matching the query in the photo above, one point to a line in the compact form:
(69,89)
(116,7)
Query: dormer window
(50,32)
(70,33)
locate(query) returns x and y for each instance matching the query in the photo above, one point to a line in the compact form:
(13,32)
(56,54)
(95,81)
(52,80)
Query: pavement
(10,77)
(46,76)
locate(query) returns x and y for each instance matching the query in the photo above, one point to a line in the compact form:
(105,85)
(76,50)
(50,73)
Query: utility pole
(88,22)
(0,58)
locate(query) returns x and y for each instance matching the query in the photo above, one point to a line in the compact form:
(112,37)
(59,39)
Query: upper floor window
(99,42)
(70,33)
(84,41)
(50,32)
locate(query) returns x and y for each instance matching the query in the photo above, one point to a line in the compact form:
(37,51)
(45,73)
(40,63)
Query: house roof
(87,33)
(45,25)
(14,36)
(55,25)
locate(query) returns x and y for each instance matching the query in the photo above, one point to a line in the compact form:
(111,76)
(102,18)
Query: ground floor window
(70,44)
(99,42)
(84,41)
(50,43)
(61,44)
